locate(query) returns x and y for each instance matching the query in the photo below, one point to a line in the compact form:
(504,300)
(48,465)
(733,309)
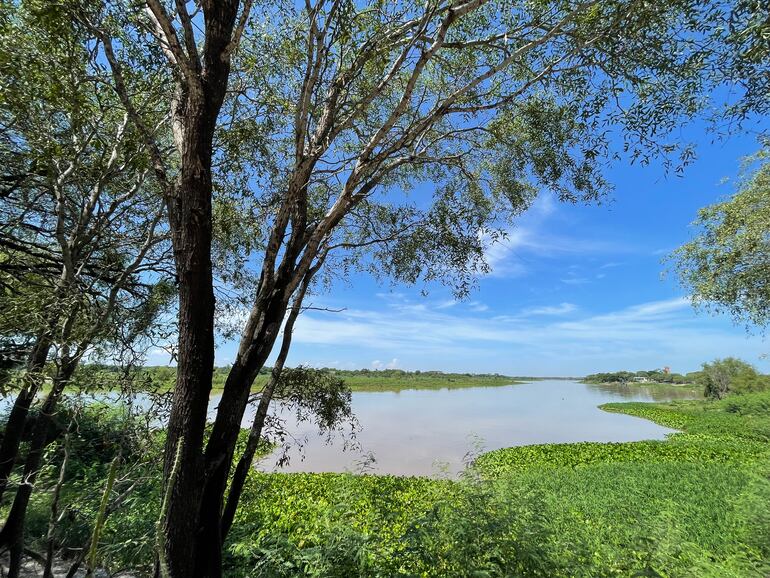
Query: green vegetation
(100,433)
(560,522)
(722,377)
(718,378)
(651,377)
(724,267)
(397,379)
(694,505)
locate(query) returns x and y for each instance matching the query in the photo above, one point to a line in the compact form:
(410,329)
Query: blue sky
(575,289)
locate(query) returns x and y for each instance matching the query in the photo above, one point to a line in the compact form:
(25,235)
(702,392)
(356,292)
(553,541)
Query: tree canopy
(726,266)
(277,146)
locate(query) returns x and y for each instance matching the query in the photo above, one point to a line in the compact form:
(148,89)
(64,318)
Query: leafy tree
(749,381)
(84,252)
(303,134)
(726,267)
(730,375)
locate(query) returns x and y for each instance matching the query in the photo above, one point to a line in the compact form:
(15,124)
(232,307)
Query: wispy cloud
(560,309)
(650,334)
(575,280)
(542,233)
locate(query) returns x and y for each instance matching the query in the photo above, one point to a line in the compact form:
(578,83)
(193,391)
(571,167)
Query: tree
(82,237)
(723,376)
(744,63)
(726,267)
(300,131)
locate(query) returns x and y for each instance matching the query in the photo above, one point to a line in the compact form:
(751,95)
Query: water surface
(428,432)
(437,431)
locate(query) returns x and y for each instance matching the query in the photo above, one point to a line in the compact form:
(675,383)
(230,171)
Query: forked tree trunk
(219,455)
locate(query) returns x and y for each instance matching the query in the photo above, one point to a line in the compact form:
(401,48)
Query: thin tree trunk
(12,534)
(244,464)
(48,569)
(17,420)
(100,518)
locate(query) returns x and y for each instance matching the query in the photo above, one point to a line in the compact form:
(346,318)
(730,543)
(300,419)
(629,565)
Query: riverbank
(162,378)
(640,383)
(693,505)
(387,381)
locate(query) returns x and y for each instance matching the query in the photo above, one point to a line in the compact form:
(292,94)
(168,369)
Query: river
(435,432)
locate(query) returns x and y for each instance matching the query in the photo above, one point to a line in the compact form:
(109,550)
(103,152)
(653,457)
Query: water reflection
(649,392)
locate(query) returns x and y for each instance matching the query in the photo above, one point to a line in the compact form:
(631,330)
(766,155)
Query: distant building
(667,370)
(640,379)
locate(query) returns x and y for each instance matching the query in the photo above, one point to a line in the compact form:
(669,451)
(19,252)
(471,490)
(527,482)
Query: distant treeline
(164,376)
(651,376)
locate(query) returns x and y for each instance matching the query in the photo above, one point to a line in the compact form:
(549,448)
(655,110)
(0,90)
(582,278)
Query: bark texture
(201,90)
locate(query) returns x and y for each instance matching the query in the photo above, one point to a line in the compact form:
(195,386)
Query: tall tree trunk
(195,359)
(190,217)
(17,420)
(12,534)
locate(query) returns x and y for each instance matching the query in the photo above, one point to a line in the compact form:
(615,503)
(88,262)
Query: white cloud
(560,309)
(650,334)
(392,364)
(507,256)
(546,232)
(575,280)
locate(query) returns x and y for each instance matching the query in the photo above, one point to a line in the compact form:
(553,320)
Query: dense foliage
(724,267)
(723,377)
(651,376)
(91,437)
